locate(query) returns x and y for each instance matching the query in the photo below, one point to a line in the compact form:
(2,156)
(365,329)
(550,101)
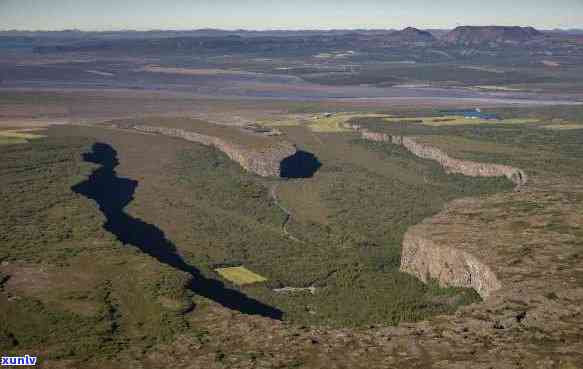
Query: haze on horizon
(292,14)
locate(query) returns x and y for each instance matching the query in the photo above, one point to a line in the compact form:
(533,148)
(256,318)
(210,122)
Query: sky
(284,14)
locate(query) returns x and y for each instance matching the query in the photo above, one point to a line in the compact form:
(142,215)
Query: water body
(113,194)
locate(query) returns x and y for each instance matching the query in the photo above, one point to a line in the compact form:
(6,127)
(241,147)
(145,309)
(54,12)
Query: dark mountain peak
(412,34)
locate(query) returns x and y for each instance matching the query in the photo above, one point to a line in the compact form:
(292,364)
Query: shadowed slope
(300,165)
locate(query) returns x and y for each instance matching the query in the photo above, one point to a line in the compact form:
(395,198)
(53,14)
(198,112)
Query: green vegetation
(13,137)
(528,146)
(349,251)
(20,134)
(227,217)
(68,288)
(454,120)
(12,140)
(352,259)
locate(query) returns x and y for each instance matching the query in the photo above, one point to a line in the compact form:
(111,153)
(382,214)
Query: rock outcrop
(265,162)
(450,266)
(451,165)
(532,321)
(425,259)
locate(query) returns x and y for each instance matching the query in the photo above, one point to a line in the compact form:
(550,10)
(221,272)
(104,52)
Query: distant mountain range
(472,35)
(287,41)
(411,34)
(407,33)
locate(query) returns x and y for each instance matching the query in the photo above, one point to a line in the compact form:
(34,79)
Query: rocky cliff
(530,318)
(425,259)
(528,273)
(451,165)
(265,162)
(450,266)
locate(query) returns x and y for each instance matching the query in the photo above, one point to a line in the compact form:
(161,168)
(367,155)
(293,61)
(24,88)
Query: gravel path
(286,211)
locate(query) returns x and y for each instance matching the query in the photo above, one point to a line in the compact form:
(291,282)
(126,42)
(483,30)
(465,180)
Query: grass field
(240,275)
(457,120)
(564,126)
(320,122)
(335,123)
(17,136)
(12,140)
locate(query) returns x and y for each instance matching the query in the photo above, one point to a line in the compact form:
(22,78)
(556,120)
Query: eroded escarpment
(450,266)
(265,162)
(532,321)
(263,157)
(451,165)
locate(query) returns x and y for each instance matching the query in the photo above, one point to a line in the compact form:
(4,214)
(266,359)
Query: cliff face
(450,266)
(451,165)
(265,162)
(425,259)
(533,320)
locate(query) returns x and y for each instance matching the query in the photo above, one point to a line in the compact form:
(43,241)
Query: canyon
(451,165)
(426,259)
(265,161)
(529,318)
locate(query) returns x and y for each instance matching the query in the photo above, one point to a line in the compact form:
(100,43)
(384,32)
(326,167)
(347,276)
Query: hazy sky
(276,14)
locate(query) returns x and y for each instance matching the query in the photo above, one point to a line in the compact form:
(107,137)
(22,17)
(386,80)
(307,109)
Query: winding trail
(288,214)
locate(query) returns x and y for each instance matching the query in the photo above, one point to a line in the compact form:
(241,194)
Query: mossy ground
(69,290)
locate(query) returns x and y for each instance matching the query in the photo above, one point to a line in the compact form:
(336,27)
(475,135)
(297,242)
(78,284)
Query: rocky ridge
(265,162)
(451,165)
(425,259)
(450,266)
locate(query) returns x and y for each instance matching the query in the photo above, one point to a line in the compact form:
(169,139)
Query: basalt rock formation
(451,165)
(450,266)
(265,162)
(425,259)
(530,318)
